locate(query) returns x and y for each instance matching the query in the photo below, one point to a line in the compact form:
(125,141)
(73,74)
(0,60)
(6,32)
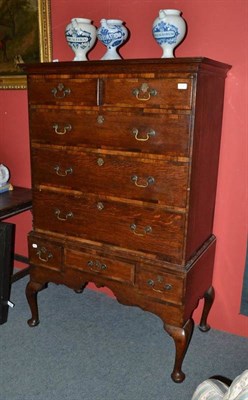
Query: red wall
(216,29)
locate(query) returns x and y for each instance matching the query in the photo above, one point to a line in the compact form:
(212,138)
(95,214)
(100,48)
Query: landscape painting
(25,37)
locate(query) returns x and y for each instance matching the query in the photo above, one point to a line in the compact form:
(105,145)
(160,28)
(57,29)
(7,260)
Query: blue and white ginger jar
(81,36)
(112,33)
(169,30)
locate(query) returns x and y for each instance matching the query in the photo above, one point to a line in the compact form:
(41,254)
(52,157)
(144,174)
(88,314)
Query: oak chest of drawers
(124,158)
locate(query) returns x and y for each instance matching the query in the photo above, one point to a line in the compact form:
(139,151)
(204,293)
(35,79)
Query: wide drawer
(132,177)
(59,90)
(129,225)
(45,253)
(99,265)
(161,285)
(173,93)
(153,133)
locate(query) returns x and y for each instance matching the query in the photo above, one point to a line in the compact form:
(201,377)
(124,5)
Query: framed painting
(25,37)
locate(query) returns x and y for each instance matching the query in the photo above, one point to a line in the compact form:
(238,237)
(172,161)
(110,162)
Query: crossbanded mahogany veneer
(124,161)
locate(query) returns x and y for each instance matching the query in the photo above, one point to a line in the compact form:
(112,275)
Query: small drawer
(168,93)
(162,285)
(98,265)
(45,253)
(60,90)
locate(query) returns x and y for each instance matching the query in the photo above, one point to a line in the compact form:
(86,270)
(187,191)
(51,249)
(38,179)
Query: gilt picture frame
(25,37)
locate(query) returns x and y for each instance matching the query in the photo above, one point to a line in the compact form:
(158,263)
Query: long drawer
(149,133)
(132,177)
(129,225)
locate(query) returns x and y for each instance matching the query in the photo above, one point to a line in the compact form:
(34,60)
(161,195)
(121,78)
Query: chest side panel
(205,159)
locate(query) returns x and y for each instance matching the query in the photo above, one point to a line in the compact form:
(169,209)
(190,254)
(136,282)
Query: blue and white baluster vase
(81,36)
(169,30)
(112,33)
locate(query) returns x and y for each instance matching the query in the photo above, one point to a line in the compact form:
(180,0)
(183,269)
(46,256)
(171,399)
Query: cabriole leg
(79,291)
(181,337)
(32,290)
(208,302)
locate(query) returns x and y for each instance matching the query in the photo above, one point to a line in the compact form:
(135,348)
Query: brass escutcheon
(100,161)
(100,119)
(100,206)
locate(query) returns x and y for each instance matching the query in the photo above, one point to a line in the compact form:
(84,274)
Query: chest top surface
(187,64)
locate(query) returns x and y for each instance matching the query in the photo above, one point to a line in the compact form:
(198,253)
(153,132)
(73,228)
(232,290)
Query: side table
(11,203)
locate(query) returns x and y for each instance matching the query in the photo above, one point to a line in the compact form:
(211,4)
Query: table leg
(7,241)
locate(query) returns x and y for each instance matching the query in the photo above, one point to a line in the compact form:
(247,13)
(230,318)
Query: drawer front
(45,253)
(99,265)
(165,286)
(60,91)
(133,226)
(152,133)
(173,93)
(131,177)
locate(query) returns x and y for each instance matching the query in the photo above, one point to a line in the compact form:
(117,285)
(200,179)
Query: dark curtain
(244,297)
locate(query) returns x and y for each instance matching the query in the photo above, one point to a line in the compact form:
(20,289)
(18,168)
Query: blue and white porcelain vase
(112,33)
(169,30)
(81,36)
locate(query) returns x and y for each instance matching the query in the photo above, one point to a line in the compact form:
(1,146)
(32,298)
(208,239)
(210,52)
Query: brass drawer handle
(43,254)
(151,284)
(66,172)
(64,130)
(149,181)
(60,91)
(150,133)
(145,92)
(96,266)
(147,229)
(57,212)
